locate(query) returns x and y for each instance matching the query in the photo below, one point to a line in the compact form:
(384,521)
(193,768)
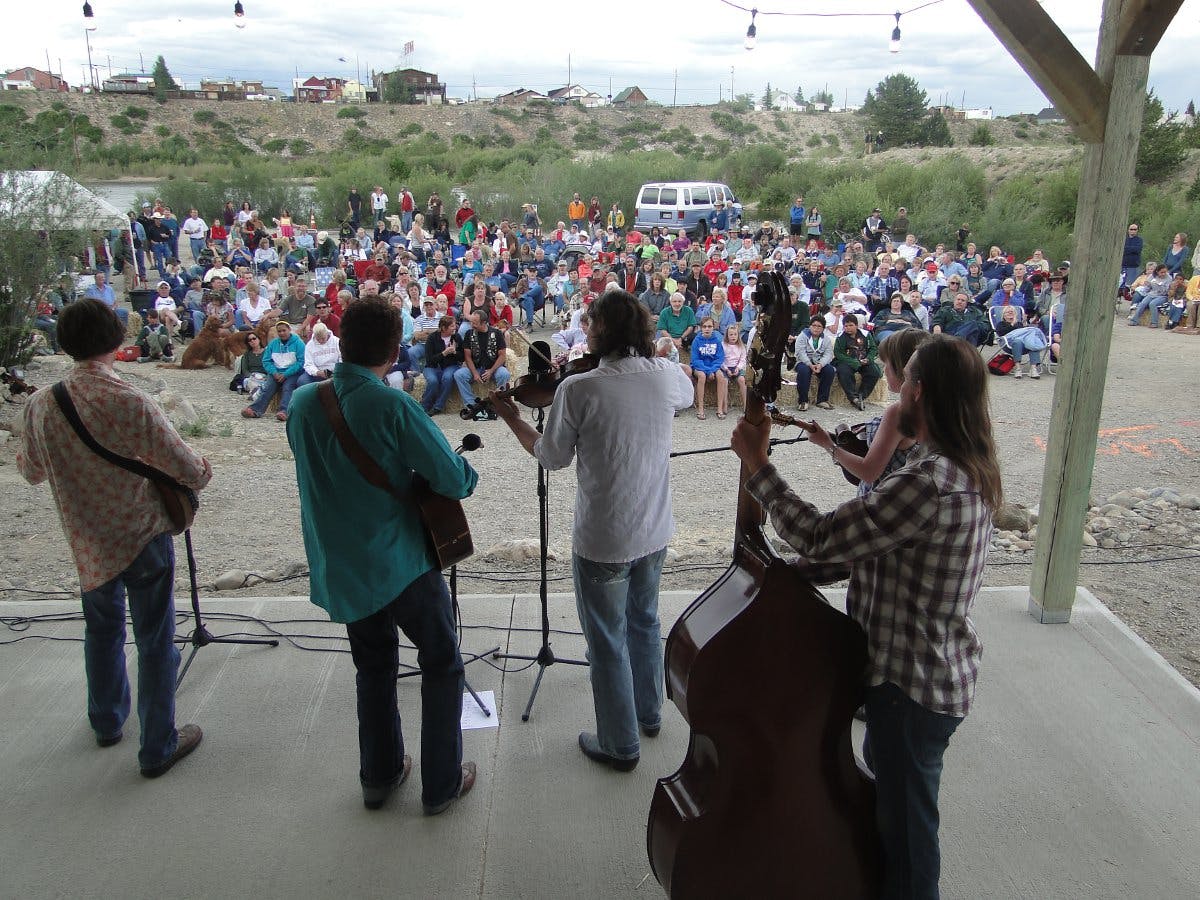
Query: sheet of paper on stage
(473,716)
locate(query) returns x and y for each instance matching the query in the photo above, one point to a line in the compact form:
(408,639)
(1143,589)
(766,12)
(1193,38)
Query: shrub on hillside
(981,136)
(204,117)
(351,112)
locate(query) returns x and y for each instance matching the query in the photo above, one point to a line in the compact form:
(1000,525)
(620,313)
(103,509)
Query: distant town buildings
(1050,116)
(631,96)
(417,86)
(31,79)
(520,95)
(573,93)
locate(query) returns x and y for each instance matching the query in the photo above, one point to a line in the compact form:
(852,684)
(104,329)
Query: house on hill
(128,83)
(573,93)
(31,79)
(419,86)
(631,96)
(520,95)
(317,90)
(1050,116)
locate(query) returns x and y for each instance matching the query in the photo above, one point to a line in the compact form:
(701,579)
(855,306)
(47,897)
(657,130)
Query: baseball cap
(428,300)
(145,204)
(753,276)
(163,283)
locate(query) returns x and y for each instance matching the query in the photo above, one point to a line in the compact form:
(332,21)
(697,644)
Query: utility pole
(141,62)
(568,70)
(731,94)
(675,90)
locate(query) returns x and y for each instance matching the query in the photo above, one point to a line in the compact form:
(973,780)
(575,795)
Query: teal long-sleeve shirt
(365,546)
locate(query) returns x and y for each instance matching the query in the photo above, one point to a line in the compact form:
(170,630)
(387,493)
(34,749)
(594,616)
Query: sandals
(700,415)
(249,413)
(720,415)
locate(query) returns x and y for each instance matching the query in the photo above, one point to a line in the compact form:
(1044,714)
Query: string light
(239,14)
(893,45)
(89,18)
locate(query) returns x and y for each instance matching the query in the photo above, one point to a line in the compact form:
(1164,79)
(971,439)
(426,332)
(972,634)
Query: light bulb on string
(894,44)
(752,31)
(239,14)
(89,18)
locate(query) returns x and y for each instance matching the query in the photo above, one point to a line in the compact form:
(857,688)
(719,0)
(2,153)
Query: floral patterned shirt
(108,514)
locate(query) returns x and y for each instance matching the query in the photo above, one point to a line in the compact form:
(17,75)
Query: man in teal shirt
(369,562)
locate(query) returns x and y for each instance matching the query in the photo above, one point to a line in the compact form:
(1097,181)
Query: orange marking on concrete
(1128,429)
(1153,449)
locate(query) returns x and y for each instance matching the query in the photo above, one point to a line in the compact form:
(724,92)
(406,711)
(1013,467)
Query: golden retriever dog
(265,329)
(209,345)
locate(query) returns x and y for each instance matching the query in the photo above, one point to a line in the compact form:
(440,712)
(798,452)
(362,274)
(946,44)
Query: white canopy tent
(53,201)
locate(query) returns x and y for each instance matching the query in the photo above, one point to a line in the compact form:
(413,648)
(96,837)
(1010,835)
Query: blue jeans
(618,610)
(1017,350)
(527,304)
(804,381)
(462,377)
(423,613)
(1142,302)
(437,387)
(301,380)
(149,583)
(406,222)
(162,252)
(904,747)
(197,244)
(270,386)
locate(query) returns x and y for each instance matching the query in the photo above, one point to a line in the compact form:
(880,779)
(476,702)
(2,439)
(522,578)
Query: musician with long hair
(914,549)
(617,420)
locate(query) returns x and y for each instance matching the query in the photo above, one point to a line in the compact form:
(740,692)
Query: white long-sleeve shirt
(617,419)
(322,357)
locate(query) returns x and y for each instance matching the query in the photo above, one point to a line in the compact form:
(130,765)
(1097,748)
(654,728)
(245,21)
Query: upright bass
(770,801)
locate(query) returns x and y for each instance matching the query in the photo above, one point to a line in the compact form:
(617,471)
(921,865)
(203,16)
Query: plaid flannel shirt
(914,550)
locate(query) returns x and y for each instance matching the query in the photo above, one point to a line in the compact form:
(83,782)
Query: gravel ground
(249,523)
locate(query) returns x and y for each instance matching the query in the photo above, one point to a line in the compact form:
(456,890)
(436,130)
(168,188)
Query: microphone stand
(545,656)
(200,636)
(469,442)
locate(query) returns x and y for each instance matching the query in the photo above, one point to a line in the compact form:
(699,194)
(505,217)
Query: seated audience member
(251,308)
(443,356)
(962,319)
(734,367)
(814,356)
(1151,294)
(896,317)
(708,358)
(249,365)
(283,361)
(1022,339)
(1192,295)
(572,341)
(217,306)
(1176,301)
(321,354)
(530,293)
(655,298)
(722,313)
(425,326)
(678,322)
(298,305)
(919,309)
(154,342)
(855,354)
(165,306)
(323,314)
(483,358)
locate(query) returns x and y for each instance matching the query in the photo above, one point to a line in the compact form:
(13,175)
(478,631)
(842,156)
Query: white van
(686,205)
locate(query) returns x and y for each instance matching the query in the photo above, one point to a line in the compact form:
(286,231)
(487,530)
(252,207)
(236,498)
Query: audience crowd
(464,286)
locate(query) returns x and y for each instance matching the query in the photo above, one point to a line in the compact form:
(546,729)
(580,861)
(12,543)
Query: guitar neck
(749,537)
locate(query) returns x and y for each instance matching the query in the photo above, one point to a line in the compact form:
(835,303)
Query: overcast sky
(490,48)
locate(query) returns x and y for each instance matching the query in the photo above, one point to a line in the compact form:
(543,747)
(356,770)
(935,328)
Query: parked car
(687,205)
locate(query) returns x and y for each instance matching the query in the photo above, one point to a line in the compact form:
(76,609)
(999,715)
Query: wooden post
(1101,216)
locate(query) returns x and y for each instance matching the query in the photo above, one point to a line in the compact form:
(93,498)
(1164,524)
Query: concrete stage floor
(1076,776)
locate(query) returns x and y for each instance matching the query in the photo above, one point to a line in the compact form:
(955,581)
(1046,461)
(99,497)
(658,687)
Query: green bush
(411,129)
(1021,132)
(832,140)
(351,112)
(588,137)
(162,131)
(750,167)
(275,145)
(299,147)
(814,140)
(981,136)
(264,183)
(136,112)
(203,117)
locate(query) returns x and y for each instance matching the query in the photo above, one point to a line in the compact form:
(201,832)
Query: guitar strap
(366,465)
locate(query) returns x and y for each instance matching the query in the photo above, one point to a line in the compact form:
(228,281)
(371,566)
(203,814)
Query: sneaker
(803,406)
(824,404)
(464,786)
(1035,371)
(143,359)
(1017,372)
(858,402)
(189,739)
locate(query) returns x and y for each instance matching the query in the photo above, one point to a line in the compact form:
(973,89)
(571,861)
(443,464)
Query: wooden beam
(1143,23)
(1056,67)
(1105,189)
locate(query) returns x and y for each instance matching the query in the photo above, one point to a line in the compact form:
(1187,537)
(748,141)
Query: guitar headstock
(773,325)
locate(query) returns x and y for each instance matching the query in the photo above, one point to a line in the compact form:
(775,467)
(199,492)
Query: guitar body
(445,525)
(769,801)
(852,439)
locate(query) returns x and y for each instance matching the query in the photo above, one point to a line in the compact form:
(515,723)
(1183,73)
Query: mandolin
(769,801)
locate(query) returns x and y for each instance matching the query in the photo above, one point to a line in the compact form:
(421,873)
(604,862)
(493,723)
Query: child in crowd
(734,368)
(154,342)
(708,356)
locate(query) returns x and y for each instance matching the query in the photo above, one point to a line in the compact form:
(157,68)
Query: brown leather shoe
(465,785)
(189,739)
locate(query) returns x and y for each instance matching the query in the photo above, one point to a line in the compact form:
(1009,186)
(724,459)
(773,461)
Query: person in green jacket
(855,353)
(677,321)
(370,565)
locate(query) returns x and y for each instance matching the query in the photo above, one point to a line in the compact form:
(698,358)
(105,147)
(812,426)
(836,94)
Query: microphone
(471,442)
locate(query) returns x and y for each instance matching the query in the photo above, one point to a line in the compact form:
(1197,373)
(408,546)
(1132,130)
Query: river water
(121,194)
